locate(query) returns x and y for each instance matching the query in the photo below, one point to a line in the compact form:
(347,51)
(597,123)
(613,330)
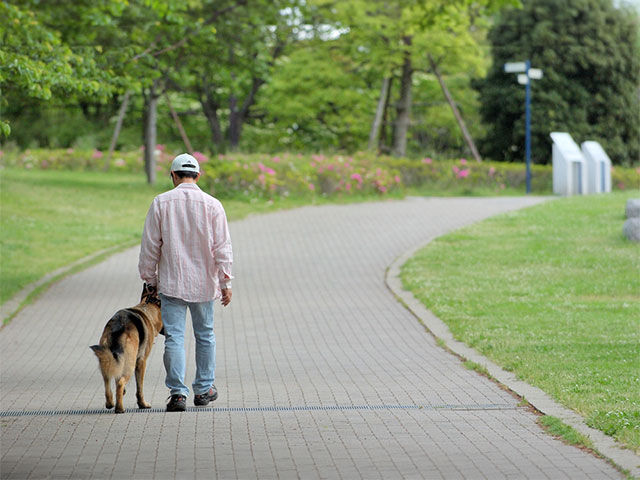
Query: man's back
(187,236)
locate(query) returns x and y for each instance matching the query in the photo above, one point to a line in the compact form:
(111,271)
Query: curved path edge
(13,305)
(604,444)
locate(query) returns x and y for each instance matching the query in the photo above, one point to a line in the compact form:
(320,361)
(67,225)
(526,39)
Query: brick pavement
(321,373)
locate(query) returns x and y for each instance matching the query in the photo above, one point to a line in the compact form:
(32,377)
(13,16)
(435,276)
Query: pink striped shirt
(186,247)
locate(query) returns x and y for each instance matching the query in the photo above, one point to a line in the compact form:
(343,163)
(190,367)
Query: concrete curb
(626,459)
(12,306)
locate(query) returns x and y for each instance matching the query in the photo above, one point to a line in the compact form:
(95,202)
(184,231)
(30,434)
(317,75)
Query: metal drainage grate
(300,408)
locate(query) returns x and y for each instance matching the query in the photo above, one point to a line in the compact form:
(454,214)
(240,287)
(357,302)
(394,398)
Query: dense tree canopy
(588,52)
(37,62)
(314,74)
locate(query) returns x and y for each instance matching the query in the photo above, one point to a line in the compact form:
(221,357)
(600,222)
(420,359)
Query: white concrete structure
(569,166)
(598,168)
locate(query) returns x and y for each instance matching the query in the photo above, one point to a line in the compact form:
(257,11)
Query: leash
(152,294)
(154,300)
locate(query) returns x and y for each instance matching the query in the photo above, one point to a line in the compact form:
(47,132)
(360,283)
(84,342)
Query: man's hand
(226,296)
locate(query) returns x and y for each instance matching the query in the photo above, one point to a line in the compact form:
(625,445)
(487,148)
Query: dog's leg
(108,395)
(141,366)
(120,383)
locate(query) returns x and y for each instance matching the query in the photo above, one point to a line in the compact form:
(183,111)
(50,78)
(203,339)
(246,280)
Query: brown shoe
(205,398)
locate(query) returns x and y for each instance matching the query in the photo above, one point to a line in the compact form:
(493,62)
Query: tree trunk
(403,107)
(116,131)
(385,134)
(239,115)
(178,123)
(374,134)
(233,132)
(210,109)
(150,132)
(211,112)
(235,123)
(456,112)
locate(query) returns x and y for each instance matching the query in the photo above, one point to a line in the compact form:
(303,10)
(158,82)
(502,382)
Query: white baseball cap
(185,163)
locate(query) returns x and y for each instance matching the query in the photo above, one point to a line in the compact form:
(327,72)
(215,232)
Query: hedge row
(268,176)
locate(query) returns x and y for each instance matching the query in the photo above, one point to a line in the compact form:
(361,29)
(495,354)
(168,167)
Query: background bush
(267,176)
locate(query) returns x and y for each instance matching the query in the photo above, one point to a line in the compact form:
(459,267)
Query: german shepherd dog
(125,345)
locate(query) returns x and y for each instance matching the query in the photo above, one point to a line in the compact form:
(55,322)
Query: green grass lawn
(49,219)
(551,293)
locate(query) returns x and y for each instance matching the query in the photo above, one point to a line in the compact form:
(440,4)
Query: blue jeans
(174,314)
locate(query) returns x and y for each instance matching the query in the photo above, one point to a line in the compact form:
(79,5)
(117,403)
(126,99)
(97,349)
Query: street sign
(535,73)
(515,67)
(523,79)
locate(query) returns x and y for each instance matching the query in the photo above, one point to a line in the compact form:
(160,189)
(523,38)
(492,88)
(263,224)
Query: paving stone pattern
(321,372)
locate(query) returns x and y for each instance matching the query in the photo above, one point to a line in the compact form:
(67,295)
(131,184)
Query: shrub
(71,159)
(288,174)
(247,176)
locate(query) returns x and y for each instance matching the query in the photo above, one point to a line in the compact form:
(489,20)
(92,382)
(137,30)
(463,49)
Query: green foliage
(224,66)
(261,75)
(283,175)
(317,98)
(58,56)
(5,129)
(589,54)
(287,75)
(377,37)
(73,159)
(36,62)
(55,128)
(263,176)
(434,130)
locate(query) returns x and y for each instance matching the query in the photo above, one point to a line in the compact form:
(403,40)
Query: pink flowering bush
(239,175)
(264,176)
(201,157)
(250,176)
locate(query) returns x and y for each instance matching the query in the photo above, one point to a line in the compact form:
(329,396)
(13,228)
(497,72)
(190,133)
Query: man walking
(186,252)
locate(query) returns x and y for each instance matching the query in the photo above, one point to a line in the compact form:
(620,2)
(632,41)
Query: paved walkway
(321,372)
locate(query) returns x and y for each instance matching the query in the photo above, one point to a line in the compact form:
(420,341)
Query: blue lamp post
(525,79)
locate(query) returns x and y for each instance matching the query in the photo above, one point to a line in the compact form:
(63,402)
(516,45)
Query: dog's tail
(112,349)
(104,354)
(105,360)
(99,350)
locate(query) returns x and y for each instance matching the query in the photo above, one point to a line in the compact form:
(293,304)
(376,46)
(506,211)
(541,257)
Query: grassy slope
(553,294)
(50,219)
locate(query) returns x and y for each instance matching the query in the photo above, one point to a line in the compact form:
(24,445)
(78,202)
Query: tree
(87,52)
(225,72)
(589,53)
(317,98)
(39,62)
(396,37)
